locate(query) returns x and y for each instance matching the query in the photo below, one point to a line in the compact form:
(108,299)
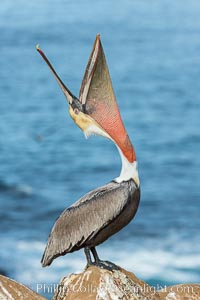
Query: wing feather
(84,219)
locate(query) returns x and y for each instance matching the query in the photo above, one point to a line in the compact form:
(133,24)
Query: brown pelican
(104,211)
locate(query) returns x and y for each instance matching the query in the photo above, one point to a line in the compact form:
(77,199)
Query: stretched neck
(129,170)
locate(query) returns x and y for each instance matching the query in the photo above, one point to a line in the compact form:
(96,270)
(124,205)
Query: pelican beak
(70,97)
(75,106)
(98,98)
(96,111)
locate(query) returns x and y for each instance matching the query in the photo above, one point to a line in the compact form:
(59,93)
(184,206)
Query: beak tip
(98,36)
(37,47)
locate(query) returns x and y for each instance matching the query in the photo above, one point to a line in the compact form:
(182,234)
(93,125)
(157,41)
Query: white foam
(24,189)
(166,264)
(35,245)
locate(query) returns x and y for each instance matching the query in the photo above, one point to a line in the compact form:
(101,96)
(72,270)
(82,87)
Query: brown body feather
(92,219)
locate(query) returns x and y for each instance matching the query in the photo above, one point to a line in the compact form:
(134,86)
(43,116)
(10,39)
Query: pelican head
(96,110)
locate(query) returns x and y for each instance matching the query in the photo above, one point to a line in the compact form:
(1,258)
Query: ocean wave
(16,189)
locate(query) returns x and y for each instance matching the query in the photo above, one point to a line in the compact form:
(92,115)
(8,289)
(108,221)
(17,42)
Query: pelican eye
(76,111)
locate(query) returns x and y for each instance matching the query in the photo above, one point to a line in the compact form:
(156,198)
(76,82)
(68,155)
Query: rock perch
(96,283)
(101,284)
(12,290)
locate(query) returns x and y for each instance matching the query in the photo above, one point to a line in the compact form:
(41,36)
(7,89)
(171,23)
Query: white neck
(129,170)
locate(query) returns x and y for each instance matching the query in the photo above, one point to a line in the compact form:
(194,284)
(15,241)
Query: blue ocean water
(153,53)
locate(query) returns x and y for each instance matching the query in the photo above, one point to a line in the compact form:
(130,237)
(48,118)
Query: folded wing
(78,224)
